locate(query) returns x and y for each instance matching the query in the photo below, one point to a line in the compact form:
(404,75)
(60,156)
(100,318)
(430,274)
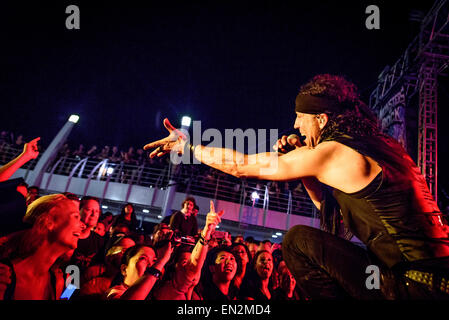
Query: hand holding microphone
(287,143)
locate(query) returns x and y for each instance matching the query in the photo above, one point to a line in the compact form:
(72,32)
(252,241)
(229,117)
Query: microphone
(288,147)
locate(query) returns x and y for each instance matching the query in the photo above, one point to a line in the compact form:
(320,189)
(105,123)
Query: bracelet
(203,241)
(192,148)
(151,271)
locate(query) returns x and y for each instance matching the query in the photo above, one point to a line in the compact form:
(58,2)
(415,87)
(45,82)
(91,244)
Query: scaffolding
(417,71)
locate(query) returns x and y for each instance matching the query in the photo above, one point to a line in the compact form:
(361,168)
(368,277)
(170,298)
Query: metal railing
(8,152)
(191,179)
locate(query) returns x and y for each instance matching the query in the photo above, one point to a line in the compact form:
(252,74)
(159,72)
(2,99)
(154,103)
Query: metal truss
(417,71)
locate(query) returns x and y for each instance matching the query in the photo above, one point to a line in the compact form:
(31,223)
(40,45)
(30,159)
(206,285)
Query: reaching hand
(165,252)
(175,141)
(30,149)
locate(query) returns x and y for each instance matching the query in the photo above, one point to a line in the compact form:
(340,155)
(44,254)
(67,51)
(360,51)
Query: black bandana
(316,105)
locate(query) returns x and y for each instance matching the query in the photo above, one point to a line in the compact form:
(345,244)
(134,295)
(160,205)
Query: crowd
(196,179)
(44,236)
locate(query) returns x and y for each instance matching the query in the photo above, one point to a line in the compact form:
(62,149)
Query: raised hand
(30,149)
(175,141)
(212,220)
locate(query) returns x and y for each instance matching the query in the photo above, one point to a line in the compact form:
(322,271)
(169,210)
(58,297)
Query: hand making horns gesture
(175,141)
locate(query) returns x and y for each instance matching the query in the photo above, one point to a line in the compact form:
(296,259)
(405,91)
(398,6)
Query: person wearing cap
(351,170)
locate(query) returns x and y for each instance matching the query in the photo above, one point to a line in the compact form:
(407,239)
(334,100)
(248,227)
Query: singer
(354,172)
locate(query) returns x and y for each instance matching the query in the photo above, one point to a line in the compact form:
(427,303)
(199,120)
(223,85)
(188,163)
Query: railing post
(265,205)
(289,209)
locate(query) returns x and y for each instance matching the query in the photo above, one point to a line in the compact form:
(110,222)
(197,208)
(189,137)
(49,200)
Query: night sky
(229,64)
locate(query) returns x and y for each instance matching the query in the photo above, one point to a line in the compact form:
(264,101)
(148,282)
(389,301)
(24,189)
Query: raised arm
(142,287)
(30,151)
(200,250)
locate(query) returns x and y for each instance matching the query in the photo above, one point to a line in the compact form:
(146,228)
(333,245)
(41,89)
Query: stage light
(278,234)
(110,171)
(185,122)
(274,236)
(74,118)
(104,207)
(217,227)
(159,217)
(254,195)
(146,211)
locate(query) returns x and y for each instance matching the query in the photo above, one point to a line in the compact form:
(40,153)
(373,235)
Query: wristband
(192,148)
(151,271)
(203,241)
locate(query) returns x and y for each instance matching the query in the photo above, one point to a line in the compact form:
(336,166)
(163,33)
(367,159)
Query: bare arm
(30,151)
(300,163)
(315,190)
(200,251)
(142,287)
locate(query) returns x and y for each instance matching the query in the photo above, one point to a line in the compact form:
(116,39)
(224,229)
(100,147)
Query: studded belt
(433,281)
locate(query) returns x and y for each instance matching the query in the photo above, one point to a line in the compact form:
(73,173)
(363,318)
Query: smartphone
(68,292)
(219,234)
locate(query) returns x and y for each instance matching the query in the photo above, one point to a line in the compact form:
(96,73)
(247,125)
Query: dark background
(229,64)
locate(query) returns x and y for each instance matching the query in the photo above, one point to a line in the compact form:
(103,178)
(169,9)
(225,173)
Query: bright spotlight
(110,171)
(278,234)
(185,122)
(146,211)
(74,118)
(159,217)
(254,195)
(274,236)
(104,207)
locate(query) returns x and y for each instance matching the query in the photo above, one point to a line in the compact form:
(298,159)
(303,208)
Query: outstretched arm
(30,151)
(299,163)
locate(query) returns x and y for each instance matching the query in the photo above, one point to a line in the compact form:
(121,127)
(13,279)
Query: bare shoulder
(346,169)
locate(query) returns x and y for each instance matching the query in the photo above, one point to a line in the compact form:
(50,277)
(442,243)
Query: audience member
(185,272)
(107,219)
(265,245)
(183,222)
(127,217)
(140,269)
(253,247)
(256,284)
(287,284)
(97,279)
(241,252)
(217,274)
(100,229)
(90,243)
(31,254)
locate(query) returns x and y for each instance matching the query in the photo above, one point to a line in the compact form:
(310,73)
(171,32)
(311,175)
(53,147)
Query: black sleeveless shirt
(395,216)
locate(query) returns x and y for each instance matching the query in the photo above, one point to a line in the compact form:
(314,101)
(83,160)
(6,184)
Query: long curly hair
(356,124)
(356,119)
